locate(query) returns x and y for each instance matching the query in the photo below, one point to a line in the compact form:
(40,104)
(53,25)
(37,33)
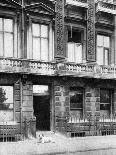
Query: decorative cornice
(106,7)
(37,5)
(10,3)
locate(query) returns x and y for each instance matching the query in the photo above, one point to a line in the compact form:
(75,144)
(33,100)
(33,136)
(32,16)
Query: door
(41,106)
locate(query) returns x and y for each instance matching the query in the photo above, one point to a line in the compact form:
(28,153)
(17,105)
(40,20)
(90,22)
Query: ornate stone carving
(59,30)
(91,31)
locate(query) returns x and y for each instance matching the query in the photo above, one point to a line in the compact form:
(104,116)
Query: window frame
(80,29)
(74,89)
(111,94)
(107,34)
(13,109)
(47,38)
(3,32)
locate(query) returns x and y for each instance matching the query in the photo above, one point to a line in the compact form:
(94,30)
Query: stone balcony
(79,3)
(107,6)
(25,66)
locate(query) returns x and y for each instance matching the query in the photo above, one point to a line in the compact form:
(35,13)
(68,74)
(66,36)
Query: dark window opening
(74,36)
(76,102)
(106,106)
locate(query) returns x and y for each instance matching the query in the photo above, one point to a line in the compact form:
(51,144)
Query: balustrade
(22,66)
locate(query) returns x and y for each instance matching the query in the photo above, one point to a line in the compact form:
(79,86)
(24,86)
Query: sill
(9,123)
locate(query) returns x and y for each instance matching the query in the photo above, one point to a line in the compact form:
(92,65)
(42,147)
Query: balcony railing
(108,6)
(26,66)
(21,66)
(91,71)
(80,3)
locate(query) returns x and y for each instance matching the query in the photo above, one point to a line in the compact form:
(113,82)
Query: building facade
(58,66)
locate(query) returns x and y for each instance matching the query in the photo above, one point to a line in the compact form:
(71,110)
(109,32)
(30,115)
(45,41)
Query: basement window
(75,46)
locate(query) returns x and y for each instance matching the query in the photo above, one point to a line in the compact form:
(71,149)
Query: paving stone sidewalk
(60,144)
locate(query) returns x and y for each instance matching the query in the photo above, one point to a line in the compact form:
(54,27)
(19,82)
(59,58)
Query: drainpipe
(21,103)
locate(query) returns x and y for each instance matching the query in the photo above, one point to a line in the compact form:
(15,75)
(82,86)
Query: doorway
(41,106)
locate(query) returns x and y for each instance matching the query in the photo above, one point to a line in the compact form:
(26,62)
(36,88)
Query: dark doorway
(41,105)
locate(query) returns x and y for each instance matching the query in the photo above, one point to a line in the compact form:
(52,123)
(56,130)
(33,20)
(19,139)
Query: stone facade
(64,19)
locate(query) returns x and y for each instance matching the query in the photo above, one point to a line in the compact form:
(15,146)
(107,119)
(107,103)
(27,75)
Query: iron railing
(91,126)
(13,132)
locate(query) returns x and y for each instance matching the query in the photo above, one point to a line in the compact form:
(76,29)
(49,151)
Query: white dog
(43,139)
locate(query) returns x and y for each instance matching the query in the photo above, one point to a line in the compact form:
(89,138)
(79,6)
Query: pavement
(57,144)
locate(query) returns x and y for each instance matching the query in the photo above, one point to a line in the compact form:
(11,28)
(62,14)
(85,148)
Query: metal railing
(11,132)
(78,127)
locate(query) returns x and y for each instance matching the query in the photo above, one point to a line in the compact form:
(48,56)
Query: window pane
(1,44)
(1,24)
(76,99)
(104,96)
(44,31)
(106,41)
(44,49)
(100,55)
(74,36)
(8,25)
(99,40)
(106,56)
(36,30)
(71,52)
(8,45)
(36,48)
(78,53)
(6,103)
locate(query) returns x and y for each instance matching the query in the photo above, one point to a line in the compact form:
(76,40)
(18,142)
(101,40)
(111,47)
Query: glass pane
(36,48)
(76,99)
(104,114)
(8,45)
(8,25)
(104,96)
(40,89)
(78,53)
(44,31)
(71,52)
(6,103)
(36,30)
(106,41)
(99,40)
(100,55)
(1,44)
(105,106)
(44,49)
(106,56)
(1,23)
(6,115)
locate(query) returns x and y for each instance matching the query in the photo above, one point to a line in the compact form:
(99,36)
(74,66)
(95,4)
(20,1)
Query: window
(106,102)
(40,42)
(6,37)
(103,49)
(6,103)
(76,101)
(74,46)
